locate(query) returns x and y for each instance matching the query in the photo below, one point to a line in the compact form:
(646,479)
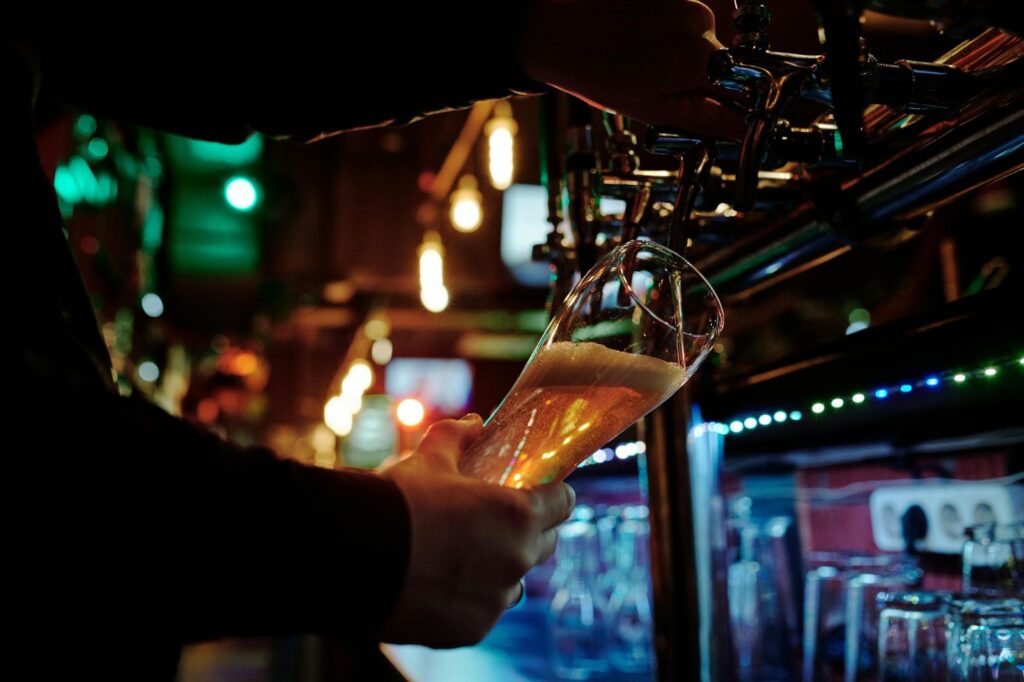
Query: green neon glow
(98,148)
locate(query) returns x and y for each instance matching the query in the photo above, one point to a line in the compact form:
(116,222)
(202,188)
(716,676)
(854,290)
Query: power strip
(950,509)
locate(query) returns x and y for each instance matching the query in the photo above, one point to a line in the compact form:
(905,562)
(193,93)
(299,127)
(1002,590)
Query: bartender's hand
(645,59)
(471,541)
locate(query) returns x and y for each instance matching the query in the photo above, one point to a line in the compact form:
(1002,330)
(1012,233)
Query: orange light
(207,410)
(245,363)
(410,412)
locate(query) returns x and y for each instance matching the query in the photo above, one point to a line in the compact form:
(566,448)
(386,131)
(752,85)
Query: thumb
(447,439)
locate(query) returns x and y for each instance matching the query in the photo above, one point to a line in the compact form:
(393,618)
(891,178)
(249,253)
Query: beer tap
(623,163)
(582,180)
(846,78)
(559,255)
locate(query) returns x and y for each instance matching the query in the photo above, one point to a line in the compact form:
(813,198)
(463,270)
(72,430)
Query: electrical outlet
(949,507)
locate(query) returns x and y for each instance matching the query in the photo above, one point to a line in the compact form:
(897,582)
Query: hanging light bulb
(434,299)
(466,210)
(501,132)
(433,293)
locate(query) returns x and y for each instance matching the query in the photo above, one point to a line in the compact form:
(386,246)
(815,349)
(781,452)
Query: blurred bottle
(577,620)
(631,632)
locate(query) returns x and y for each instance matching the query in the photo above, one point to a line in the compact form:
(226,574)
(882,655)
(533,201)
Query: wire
(861,487)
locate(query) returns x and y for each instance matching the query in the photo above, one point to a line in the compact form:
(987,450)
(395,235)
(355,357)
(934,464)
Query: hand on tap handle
(647,60)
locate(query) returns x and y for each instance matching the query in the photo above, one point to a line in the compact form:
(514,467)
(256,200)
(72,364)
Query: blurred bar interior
(836,495)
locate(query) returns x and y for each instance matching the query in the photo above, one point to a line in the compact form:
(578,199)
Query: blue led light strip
(878,395)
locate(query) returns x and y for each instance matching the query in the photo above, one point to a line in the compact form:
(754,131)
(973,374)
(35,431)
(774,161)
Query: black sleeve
(297,74)
(135,523)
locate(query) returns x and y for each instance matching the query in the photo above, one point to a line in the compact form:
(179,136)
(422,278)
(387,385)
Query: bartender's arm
(301,75)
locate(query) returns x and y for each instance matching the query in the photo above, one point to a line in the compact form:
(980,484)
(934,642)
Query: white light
(148,371)
(241,193)
(750,423)
(434,299)
(736,426)
(466,214)
(431,266)
(501,131)
(501,158)
(466,211)
(361,375)
(410,412)
(641,447)
(381,351)
(337,417)
(780,416)
(152,305)
(856,327)
(818,408)
(351,402)
(764,419)
(838,402)
(858,398)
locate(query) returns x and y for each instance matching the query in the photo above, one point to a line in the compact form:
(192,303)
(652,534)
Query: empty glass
(985,640)
(862,616)
(911,637)
(828,606)
(762,605)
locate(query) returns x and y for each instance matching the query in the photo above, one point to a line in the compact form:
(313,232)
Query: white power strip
(949,507)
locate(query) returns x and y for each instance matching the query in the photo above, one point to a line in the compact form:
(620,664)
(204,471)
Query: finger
(515,594)
(447,439)
(552,504)
(546,545)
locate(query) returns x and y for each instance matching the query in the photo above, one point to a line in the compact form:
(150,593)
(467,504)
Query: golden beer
(571,399)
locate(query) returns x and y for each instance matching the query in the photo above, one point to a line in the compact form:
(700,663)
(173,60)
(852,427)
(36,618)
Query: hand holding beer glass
(627,337)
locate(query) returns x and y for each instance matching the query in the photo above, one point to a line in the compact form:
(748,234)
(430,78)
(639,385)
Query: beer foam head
(565,363)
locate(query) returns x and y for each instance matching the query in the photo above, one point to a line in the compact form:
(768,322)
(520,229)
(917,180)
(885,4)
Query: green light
(1021,361)
(67,188)
(991,371)
(84,178)
(818,408)
(838,142)
(838,402)
(860,315)
(241,193)
(153,229)
(227,154)
(858,398)
(780,416)
(960,378)
(98,148)
(85,126)
(796,415)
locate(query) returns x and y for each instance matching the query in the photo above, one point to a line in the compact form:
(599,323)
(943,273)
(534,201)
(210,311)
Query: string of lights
(879,395)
